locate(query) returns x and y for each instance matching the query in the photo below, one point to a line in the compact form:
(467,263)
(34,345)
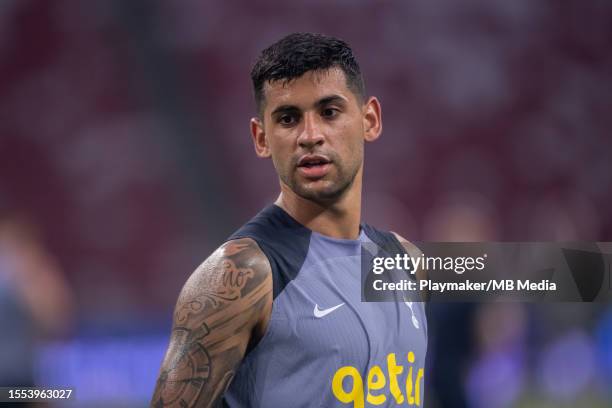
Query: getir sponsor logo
(377,382)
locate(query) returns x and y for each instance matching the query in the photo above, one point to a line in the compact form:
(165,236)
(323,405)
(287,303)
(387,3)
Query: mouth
(312,160)
(314,166)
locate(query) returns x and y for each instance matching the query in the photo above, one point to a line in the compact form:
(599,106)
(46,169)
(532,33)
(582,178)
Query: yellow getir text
(374,393)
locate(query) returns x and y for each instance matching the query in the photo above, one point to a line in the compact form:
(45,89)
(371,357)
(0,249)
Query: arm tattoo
(215,315)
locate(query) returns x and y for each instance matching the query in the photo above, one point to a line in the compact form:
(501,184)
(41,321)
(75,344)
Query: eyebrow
(318,104)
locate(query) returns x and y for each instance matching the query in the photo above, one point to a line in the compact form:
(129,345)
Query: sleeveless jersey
(323,346)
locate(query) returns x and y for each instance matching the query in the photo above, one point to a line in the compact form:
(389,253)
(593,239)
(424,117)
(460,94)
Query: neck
(337,219)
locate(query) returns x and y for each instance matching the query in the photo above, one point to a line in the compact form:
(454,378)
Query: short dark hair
(294,55)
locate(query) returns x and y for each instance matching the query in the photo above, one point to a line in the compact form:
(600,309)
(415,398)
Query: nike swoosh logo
(322,313)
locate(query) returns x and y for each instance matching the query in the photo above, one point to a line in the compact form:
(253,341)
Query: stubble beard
(326,195)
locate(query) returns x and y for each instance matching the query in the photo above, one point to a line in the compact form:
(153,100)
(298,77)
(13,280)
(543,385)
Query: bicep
(217,310)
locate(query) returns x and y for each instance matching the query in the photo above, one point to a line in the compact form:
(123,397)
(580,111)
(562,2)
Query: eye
(329,112)
(287,119)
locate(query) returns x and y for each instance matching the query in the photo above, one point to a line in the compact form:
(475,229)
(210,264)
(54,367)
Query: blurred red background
(124,130)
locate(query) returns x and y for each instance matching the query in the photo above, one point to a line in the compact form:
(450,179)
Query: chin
(322,193)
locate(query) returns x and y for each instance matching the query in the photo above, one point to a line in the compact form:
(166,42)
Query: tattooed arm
(222,310)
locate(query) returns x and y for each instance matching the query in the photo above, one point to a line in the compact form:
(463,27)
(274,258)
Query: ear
(262,149)
(372,119)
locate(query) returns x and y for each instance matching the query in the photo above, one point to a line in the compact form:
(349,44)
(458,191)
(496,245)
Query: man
(274,317)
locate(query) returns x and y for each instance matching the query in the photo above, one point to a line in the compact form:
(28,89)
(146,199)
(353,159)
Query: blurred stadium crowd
(125,160)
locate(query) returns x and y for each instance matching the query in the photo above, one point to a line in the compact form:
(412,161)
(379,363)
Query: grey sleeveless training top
(324,347)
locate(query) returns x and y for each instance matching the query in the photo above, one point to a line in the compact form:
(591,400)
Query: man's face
(314,130)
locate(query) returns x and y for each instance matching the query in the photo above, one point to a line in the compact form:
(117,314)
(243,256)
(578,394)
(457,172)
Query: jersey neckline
(343,241)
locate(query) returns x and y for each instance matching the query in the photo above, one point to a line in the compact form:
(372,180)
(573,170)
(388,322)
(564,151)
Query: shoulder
(244,252)
(409,247)
(414,252)
(232,267)
(391,240)
(235,276)
(283,240)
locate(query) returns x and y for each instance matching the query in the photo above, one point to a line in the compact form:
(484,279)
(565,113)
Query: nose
(311,134)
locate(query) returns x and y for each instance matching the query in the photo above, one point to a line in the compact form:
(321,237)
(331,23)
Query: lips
(311,160)
(314,166)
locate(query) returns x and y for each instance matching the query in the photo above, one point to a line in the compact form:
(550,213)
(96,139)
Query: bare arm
(224,306)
